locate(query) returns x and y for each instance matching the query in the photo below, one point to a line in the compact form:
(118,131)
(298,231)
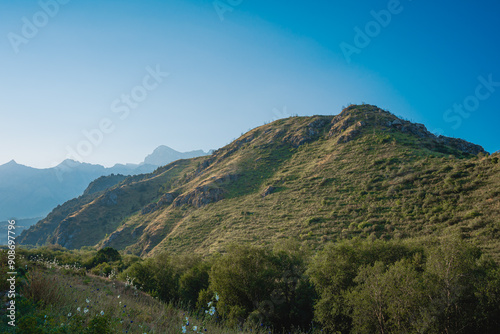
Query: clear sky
(100,67)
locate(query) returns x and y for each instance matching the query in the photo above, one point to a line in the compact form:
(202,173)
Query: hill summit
(362,173)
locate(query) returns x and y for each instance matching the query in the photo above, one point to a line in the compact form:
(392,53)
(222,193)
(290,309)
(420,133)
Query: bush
(387,287)
(41,289)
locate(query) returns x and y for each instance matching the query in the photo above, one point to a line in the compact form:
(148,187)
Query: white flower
(195,328)
(69,314)
(85,310)
(78,309)
(102,312)
(87,300)
(216,297)
(118,296)
(184,329)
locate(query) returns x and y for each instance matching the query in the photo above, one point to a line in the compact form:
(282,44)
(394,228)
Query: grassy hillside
(364,173)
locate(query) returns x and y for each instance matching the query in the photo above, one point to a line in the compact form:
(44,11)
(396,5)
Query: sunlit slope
(364,172)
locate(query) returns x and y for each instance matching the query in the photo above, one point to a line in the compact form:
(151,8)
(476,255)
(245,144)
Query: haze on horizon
(116,79)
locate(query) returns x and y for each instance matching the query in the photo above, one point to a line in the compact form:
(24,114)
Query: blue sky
(233,68)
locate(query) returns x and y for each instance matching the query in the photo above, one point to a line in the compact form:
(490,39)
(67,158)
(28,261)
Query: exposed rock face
(351,133)
(349,123)
(111,197)
(348,127)
(414,128)
(209,192)
(268,191)
(165,200)
(200,196)
(308,133)
(462,145)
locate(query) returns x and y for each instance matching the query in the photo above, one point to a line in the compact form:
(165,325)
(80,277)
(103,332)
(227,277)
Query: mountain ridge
(32,192)
(312,178)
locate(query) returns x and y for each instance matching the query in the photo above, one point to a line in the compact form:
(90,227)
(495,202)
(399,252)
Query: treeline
(356,286)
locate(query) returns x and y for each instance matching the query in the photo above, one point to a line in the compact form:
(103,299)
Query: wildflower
(184,329)
(195,328)
(87,300)
(102,312)
(118,296)
(69,314)
(85,310)
(78,309)
(216,297)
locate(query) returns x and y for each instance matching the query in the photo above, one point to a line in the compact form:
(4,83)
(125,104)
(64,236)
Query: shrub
(41,288)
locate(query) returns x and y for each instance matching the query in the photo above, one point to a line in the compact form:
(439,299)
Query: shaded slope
(39,234)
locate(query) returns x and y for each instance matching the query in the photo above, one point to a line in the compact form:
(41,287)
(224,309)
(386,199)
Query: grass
(382,184)
(54,300)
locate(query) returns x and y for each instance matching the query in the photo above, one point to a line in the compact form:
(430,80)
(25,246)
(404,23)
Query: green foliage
(98,325)
(105,255)
(193,281)
(402,288)
(263,286)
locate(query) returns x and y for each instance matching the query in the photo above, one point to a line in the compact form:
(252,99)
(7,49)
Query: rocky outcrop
(351,133)
(461,145)
(268,191)
(308,133)
(347,126)
(164,201)
(349,123)
(209,192)
(200,196)
(110,198)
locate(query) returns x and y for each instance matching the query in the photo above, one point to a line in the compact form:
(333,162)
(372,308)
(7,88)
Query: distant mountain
(362,173)
(164,155)
(27,192)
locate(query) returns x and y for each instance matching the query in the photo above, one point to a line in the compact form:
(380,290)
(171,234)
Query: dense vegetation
(355,223)
(358,286)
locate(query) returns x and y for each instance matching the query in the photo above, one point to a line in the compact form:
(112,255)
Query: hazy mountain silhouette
(27,192)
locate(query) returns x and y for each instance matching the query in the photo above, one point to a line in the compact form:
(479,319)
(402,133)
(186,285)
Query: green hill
(364,172)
